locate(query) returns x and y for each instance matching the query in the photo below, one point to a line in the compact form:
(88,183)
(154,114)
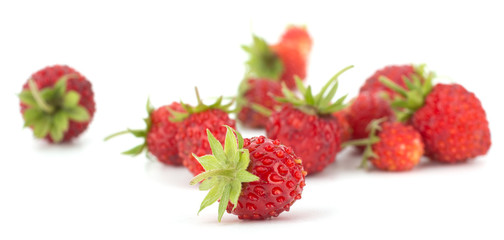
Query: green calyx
(263,62)
(320,104)
(373,127)
(413,96)
(52,108)
(140,133)
(225,171)
(201,107)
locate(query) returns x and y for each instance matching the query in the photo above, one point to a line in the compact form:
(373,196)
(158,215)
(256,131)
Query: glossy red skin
(161,140)
(47,77)
(453,124)
(345,128)
(280,184)
(394,73)
(262,92)
(294,63)
(399,149)
(315,139)
(300,37)
(192,136)
(365,108)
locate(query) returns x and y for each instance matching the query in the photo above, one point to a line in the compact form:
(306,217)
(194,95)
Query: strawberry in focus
(57,102)
(159,135)
(256,178)
(307,125)
(451,119)
(191,136)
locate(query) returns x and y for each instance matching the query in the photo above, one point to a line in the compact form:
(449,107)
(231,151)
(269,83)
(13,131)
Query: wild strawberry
(299,36)
(396,73)
(255,178)
(345,128)
(451,120)
(391,146)
(293,61)
(308,126)
(159,135)
(281,61)
(57,102)
(254,97)
(366,107)
(191,135)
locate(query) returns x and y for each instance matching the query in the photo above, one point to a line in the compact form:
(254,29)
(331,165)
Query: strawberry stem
(38,98)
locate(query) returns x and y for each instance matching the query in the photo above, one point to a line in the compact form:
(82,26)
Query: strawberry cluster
(398,117)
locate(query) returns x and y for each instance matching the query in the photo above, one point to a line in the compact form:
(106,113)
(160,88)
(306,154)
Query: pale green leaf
(135,151)
(208,183)
(213,195)
(48,94)
(309,96)
(78,114)
(244,160)
(236,187)
(209,162)
(32,115)
(61,85)
(240,140)
(231,147)
(42,126)
(299,84)
(27,98)
(71,99)
(60,122)
(327,99)
(216,147)
(224,200)
(56,134)
(245,176)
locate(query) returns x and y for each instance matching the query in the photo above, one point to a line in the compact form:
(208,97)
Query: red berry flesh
(161,141)
(315,139)
(280,184)
(192,137)
(453,124)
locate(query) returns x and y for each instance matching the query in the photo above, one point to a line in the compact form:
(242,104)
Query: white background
(132,50)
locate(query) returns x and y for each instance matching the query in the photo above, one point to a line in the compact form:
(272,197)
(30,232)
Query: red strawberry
(294,62)
(253,95)
(255,178)
(192,136)
(396,73)
(57,102)
(450,119)
(282,61)
(345,128)
(365,108)
(298,36)
(159,135)
(396,147)
(308,126)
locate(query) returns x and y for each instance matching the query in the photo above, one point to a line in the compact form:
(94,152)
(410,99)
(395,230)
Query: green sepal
(201,107)
(413,96)
(225,171)
(319,104)
(373,127)
(139,133)
(51,109)
(263,62)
